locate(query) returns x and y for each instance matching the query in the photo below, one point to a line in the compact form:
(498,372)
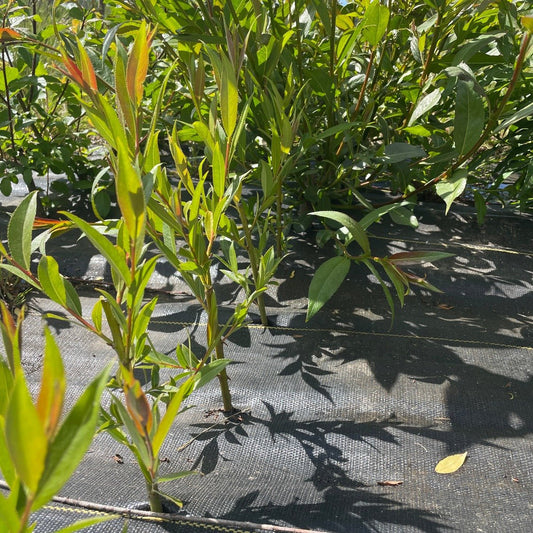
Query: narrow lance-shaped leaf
(176,475)
(357,232)
(417,257)
(55,286)
(219,171)
(173,408)
(7,35)
(114,256)
(25,436)
(125,103)
(130,194)
(469,117)
(428,102)
(229,97)
(6,463)
(53,384)
(138,64)
(87,522)
(138,406)
(72,440)
(12,338)
(9,518)
(327,279)
(386,291)
(19,230)
(87,69)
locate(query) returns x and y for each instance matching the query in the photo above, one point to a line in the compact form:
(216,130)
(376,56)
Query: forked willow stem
(253,263)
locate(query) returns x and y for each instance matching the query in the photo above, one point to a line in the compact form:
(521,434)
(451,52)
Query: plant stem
(365,83)
(224,381)
(253,263)
(213,331)
(25,515)
(279,217)
(8,107)
(155,500)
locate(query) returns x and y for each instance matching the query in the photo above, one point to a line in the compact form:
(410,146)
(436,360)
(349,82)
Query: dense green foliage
(220,125)
(343,99)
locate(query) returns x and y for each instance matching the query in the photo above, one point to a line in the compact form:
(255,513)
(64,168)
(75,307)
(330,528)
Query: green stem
(213,336)
(425,71)
(279,217)
(154,497)
(224,381)
(253,263)
(9,109)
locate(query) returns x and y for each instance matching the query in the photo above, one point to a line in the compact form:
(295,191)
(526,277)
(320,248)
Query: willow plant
(40,446)
(185,221)
(120,319)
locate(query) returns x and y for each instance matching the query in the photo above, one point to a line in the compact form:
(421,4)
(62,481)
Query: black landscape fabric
(334,410)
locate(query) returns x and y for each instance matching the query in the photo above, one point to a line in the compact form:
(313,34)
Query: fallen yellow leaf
(450,464)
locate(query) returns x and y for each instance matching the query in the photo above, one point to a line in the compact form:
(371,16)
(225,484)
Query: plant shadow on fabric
(345,503)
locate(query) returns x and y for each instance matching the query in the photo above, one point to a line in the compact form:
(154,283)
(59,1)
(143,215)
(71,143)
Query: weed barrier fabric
(333,410)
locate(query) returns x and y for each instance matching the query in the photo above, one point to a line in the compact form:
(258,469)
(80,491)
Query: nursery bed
(332,409)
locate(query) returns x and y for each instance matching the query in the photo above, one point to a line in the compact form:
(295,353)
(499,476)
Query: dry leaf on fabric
(451,463)
(446,307)
(390,483)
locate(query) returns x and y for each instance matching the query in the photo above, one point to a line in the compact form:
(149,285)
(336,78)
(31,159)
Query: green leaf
(130,194)
(415,258)
(229,97)
(219,171)
(452,187)
(124,101)
(186,357)
(173,408)
(19,231)
(355,229)
(55,286)
(451,464)
(25,436)
(113,255)
(469,117)
(429,101)
(404,217)
(6,464)
(398,281)
(396,152)
(17,272)
(53,384)
(374,23)
(72,440)
(9,519)
(526,111)
(384,287)
(527,22)
(176,475)
(376,214)
(209,372)
(327,279)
